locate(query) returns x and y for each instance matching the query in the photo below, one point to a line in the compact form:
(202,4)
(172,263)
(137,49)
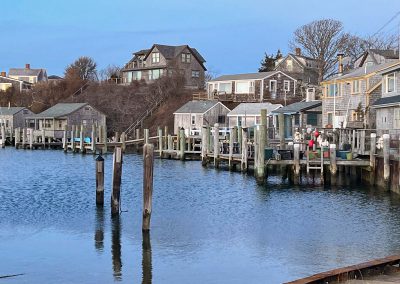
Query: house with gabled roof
(249,114)
(7,83)
(193,115)
(53,120)
(303,68)
(28,74)
(273,86)
(13,117)
(165,60)
(376,56)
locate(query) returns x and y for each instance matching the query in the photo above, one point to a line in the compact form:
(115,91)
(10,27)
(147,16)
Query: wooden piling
(146,136)
(333,166)
(244,152)
(204,146)
(231,139)
(259,161)
(23,137)
(81,137)
(116,181)
(182,144)
(123,141)
(296,168)
(160,141)
(148,166)
(31,138)
(170,142)
(372,158)
(99,181)
(216,145)
(386,159)
(281,122)
(104,130)
(3,136)
(73,138)
(165,136)
(239,139)
(44,138)
(17,137)
(137,134)
(93,140)
(65,139)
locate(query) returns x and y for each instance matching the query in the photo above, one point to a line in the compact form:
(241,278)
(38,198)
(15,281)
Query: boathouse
(55,119)
(193,115)
(249,114)
(13,117)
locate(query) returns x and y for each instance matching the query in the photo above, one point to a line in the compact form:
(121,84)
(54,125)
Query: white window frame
(396,118)
(230,89)
(355,83)
(270,86)
(288,85)
(155,57)
(186,57)
(193,119)
(195,74)
(394,83)
(241,82)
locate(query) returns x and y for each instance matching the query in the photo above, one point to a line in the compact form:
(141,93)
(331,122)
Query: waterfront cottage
(388,106)
(54,119)
(165,60)
(347,97)
(249,114)
(28,74)
(13,117)
(193,115)
(274,87)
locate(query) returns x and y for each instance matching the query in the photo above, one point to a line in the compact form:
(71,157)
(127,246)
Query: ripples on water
(207,226)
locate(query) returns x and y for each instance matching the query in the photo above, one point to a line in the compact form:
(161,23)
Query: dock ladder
(315,165)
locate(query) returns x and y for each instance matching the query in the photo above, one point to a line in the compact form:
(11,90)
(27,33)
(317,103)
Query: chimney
(27,66)
(298,51)
(3,74)
(340,59)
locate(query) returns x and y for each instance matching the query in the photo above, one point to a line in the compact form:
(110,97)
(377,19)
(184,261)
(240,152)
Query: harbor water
(207,226)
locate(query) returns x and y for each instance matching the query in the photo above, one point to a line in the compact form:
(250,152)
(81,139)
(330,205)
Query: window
(155,74)
(251,88)
(59,124)
(334,90)
(239,120)
(396,118)
(242,88)
(225,87)
(47,123)
(272,86)
(195,74)
(7,123)
(193,119)
(330,118)
(258,120)
(289,65)
(286,85)
(356,86)
(221,119)
(312,119)
(155,57)
(185,57)
(137,75)
(390,79)
(84,122)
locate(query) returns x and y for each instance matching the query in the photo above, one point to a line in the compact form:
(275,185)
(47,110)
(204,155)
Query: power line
(387,23)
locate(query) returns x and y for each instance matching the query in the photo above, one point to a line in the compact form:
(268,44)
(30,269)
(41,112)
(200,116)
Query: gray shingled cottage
(13,117)
(54,119)
(194,114)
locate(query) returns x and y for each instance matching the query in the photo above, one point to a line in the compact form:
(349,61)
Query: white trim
(284,82)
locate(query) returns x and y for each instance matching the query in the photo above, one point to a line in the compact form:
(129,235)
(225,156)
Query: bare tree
(83,68)
(321,40)
(110,72)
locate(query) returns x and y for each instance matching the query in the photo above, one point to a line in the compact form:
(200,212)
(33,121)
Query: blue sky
(231,35)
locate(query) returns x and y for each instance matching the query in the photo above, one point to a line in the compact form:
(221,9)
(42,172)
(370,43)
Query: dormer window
(390,85)
(185,57)
(155,57)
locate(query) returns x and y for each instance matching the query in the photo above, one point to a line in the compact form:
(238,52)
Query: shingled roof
(387,101)
(253,109)
(197,107)
(24,72)
(10,110)
(298,107)
(60,110)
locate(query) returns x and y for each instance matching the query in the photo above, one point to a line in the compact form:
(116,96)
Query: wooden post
(353,141)
(333,166)
(116,181)
(281,119)
(93,140)
(296,170)
(73,138)
(116,137)
(386,159)
(244,150)
(216,145)
(362,142)
(31,138)
(148,166)
(65,139)
(123,141)
(182,143)
(137,133)
(146,136)
(372,158)
(204,146)
(99,181)
(239,139)
(260,148)
(44,138)
(81,137)
(23,137)
(165,136)
(104,139)
(17,138)
(160,141)
(3,136)
(170,142)
(231,139)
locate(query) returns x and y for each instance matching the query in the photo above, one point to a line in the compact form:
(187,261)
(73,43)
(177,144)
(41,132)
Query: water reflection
(146,259)
(116,248)
(99,233)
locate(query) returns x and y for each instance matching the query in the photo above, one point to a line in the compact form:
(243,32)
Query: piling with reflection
(116,181)
(99,181)
(148,166)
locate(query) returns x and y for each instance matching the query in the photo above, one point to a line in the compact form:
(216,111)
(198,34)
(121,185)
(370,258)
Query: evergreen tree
(268,63)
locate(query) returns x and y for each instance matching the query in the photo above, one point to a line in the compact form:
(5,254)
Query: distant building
(54,79)
(193,115)
(273,86)
(304,69)
(388,106)
(373,57)
(13,117)
(54,119)
(164,60)
(28,74)
(7,82)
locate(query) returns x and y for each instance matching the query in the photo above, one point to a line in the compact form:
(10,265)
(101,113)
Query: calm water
(207,226)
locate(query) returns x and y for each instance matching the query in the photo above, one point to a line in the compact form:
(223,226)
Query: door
(288,126)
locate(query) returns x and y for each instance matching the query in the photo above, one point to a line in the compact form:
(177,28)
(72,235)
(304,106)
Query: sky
(231,35)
